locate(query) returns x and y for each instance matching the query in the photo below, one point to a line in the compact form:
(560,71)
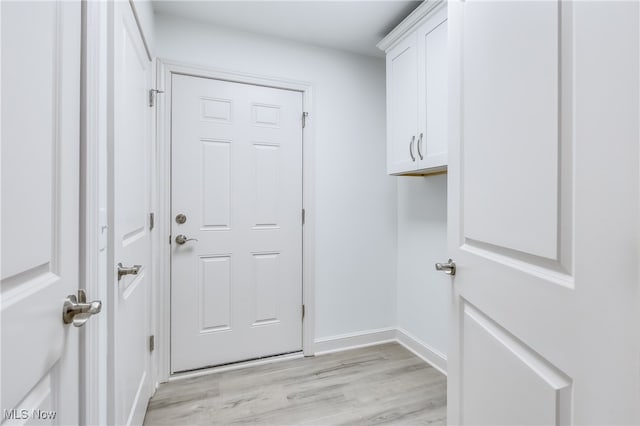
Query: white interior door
(130,369)
(40,180)
(236,289)
(543,213)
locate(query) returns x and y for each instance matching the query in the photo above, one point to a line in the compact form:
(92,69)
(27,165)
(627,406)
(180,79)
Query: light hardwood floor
(384,384)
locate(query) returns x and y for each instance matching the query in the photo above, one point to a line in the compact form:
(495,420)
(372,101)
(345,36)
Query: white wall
(355,199)
(423,294)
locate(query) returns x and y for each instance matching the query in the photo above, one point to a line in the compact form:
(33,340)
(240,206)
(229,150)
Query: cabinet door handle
(419,145)
(413,139)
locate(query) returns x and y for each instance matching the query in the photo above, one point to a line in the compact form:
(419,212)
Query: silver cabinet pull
(448,268)
(181,239)
(77,310)
(413,139)
(128,270)
(419,145)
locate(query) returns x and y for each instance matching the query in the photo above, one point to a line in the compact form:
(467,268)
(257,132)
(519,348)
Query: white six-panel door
(236,289)
(131,160)
(543,213)
(40,182)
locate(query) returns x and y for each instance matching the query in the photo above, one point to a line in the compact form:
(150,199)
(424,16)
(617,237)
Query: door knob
(448,268)
(77,310)
(181,239)
(128,270)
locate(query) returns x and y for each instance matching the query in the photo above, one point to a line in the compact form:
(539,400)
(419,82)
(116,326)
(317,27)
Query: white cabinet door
(402,107)
(417,93)
(131,158)
(40,183)
(236,288)
(433,69)
(543,213)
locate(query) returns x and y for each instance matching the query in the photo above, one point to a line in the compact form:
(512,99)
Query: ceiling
(354,26)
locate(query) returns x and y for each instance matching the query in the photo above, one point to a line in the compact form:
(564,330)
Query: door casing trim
(94,348)
(162,252)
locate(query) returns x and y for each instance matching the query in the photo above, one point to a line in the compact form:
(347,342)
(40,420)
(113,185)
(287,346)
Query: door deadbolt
(181,218)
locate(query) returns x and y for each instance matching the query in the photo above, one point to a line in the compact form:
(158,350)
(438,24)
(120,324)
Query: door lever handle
(181,239)
(448,268)
(77,310)
(127,270)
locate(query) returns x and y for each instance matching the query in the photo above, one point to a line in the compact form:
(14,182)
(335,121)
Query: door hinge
(152,96)
(304,216)
(152,343)
(169,238)
(304,119)
(152,221)
(302,311)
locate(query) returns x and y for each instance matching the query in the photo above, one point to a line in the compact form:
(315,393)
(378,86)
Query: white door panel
(402,110)
(131,207)
(433,56)
(543,213)
(237,177)
(520,212)
(40,181)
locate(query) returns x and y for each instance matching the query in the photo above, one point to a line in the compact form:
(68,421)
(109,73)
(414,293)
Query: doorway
(236,221)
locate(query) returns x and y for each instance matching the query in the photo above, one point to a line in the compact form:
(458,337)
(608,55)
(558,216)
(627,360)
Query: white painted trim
(162,297)
(340,343)
(430,355)
(409,24)
(360,339)
(235,366)
(156,237)
(165,68)
(108,307)
(93,342)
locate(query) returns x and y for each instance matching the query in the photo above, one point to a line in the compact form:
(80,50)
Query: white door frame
(93,249)
(96,252)
(162,299)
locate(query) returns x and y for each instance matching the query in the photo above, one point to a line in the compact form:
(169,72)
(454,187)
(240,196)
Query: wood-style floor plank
(384,384)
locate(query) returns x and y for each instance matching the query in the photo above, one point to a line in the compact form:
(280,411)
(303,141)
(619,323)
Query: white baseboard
(437,359)
(366,338)
(340,343)
(359,339)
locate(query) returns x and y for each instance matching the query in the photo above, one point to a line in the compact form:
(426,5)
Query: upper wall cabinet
(417,64)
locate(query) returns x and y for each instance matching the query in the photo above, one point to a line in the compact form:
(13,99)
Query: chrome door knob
(448,268)
(77,310)
(181,239)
